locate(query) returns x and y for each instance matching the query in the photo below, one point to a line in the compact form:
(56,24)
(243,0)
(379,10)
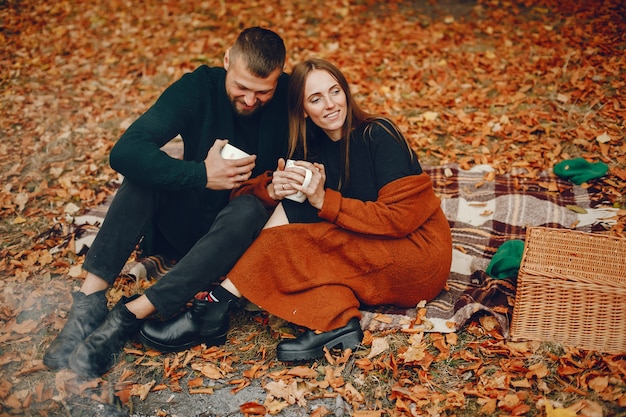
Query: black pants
(210,245)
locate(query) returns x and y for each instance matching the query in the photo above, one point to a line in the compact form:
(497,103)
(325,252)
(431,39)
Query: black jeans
(212,247)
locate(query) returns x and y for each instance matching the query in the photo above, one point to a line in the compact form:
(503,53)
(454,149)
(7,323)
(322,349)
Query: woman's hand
(315,192)
(285,181)
(277,188)
(288,181)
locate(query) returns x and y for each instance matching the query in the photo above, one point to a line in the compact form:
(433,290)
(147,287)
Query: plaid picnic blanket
(484,209)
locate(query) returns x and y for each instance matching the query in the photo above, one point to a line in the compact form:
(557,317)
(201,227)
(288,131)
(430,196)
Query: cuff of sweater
(257,187)
(263,195)
(331,206)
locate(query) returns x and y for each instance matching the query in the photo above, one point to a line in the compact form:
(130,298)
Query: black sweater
(197,108)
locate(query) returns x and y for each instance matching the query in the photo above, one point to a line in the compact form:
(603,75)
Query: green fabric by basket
(506,262)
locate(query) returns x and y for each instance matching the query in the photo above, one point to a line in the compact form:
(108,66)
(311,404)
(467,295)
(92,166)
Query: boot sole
(349,340)
(209,341)
(55,364)
(81,370)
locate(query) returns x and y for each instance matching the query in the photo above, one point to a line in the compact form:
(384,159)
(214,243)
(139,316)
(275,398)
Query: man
(181,207)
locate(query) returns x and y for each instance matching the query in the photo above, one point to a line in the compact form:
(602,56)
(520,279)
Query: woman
(370,233)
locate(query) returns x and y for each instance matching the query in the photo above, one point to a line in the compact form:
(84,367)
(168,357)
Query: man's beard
(245,112)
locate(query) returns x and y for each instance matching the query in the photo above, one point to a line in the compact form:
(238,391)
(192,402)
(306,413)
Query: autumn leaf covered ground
(508,83)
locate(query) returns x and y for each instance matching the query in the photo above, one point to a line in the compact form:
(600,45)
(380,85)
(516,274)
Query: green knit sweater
(197,108)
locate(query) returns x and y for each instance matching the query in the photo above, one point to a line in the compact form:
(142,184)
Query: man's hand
(226,174)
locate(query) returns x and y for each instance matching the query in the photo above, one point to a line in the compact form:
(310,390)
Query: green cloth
(580,170)
(506,262)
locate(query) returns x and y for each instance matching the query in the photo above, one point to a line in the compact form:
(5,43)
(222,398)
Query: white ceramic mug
(231,152)
(299,196)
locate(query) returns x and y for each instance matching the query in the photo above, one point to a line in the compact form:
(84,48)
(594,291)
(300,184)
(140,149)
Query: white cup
(299,196)
(231,152)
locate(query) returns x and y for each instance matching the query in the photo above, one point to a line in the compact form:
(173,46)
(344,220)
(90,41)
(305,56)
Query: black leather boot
(205,322)
(310,345)
(87,313)
(98,353)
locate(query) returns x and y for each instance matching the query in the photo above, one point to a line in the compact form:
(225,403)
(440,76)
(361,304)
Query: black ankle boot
(98,353)
(310,345)
(205,322)
(87,313)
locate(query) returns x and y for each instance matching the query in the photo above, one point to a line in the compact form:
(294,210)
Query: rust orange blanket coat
(318,275)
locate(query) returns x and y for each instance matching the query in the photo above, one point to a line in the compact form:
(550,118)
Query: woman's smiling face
(325,102)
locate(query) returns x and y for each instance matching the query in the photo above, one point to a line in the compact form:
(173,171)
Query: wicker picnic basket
(571,289)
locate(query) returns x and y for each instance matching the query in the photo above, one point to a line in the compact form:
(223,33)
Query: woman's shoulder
(380,129)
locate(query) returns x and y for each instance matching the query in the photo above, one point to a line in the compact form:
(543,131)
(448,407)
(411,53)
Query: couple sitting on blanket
(370,231)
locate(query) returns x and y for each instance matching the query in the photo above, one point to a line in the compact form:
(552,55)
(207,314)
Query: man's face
(247,92)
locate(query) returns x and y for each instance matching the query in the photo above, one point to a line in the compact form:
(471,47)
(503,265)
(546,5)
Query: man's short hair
(262,50)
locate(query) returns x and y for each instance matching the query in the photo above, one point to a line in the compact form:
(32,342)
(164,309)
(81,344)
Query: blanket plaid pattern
(484,209)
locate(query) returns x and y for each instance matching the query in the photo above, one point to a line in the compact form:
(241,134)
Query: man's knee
(250,205)
(245,212)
